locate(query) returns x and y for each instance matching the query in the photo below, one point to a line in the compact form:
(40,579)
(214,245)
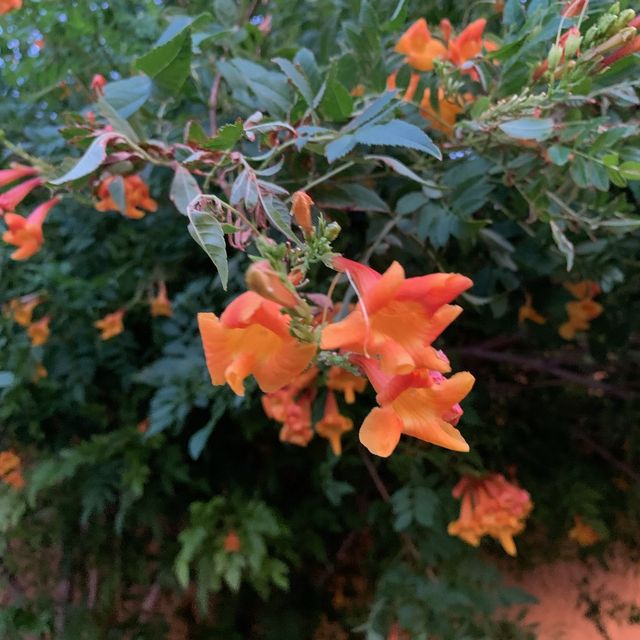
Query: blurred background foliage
(122,530)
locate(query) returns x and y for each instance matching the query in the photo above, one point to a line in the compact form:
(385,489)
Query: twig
(213,104)
(608,456)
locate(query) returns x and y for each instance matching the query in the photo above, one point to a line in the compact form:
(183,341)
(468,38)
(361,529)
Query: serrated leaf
(337,102)
(226,137)
(401,169)
(398,133)
(92,158)
(296,78)
(339,147)
(127,96)
(528,128)
(372,112)
(170,63)
(350,197)
(184,188)
(208,233)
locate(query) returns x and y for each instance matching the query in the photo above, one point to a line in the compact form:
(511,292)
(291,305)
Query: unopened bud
(625,18)
(301,204)
(572,45)
(615,8)
(332,231)
(262,279)
(590,36)
(554,57)
(605,23)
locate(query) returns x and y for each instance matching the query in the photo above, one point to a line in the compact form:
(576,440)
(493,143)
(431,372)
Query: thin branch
(605,454)
(213,104)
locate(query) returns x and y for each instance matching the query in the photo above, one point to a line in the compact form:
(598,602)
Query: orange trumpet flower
(9,200)
(468,44)
(340,379)
(21,309)
(398,318)
(111,325)
(333,424)
(137,200)
(26,233)
(16,172)
(38,332)
(419,47)
(161,305)
(422,404)
(252,337)
(11,469)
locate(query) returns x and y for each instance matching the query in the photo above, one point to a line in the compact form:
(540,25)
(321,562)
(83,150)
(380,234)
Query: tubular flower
(296,428)
(630,48)
(468,44)
(582,533)
(21,309)
(490,506)
(527,312)
(161,305)
(9,5)
(38,332)
(262,279)
(11,469)
(422,404)
(412,87)
(340,379)
(398,318)
(301,204)
(26,233)
(111,325)
(582,311)
(419,47)
(137,200)
(231,542)
(9,200)
(574,8)
(583,289)
(252,337)
(333,424)
(444,119)
(16,172)
(98,83)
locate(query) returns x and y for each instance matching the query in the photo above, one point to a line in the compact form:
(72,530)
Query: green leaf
(226,11)
(528,128)
(6,379)
(226,137)
(376,109)
(630,170)
(296,78)
(127,96)
(563,243)
(116,120)
(401,169)
(337,102)
(207,232)
(350,197)
(398,133)
(117,192)
(184,188)
(170,63)
(339,147)
(93,157)
(558,154)
(198,440)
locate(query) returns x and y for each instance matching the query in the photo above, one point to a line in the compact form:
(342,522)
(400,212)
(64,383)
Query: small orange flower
(9,200)
(301,204)
(111,325)
(422,404)
(232,542)
(296,427)
(490,506)
(137,200)
(252,337)
(420,49)
(98,83)
(340,379)
(11,469)
(468,44)
(333,424)
(583,289)
(527,312)
(9,5)
(161,305)
(26,233)
(21,309)
(358,91)
(398,318)
(38,332)
(262,279)
(16,172)
(444,119)
(143,426)
(582,533)
(40,372)
(582,311)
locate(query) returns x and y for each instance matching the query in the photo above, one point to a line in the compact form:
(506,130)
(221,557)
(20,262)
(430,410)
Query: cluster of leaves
(537,186)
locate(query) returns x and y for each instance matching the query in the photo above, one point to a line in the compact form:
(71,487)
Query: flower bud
(615,8)
(554,57)
(572,45)
(332,231)
(625,18)
(605,23)
(590,36)
(301,210)
(262,279)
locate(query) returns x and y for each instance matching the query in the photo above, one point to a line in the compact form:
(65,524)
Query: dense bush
(163,159)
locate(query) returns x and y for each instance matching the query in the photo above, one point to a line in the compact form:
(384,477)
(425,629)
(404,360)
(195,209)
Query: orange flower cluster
(26,233)
(491,506)
(21,310)
(137,200)
(389,336)
(582,310)
(11,469)
(111,325)
(39,332)
(9,5)
(583,533)
(527,312)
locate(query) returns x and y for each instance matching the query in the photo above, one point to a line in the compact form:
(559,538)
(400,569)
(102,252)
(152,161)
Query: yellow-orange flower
(137,200)
(9,5)
(340,379)
(161,305)
(333,424)
(111,325)
(398,318)
(11,469)
(21,309)
(444,119)
(26,233)
(583,289)
(527,312)
(468,44)
(491,506)
(301,204)
(252,337)
(262,279)
(582,533)
(38,332)
(422,404)
(419,47)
